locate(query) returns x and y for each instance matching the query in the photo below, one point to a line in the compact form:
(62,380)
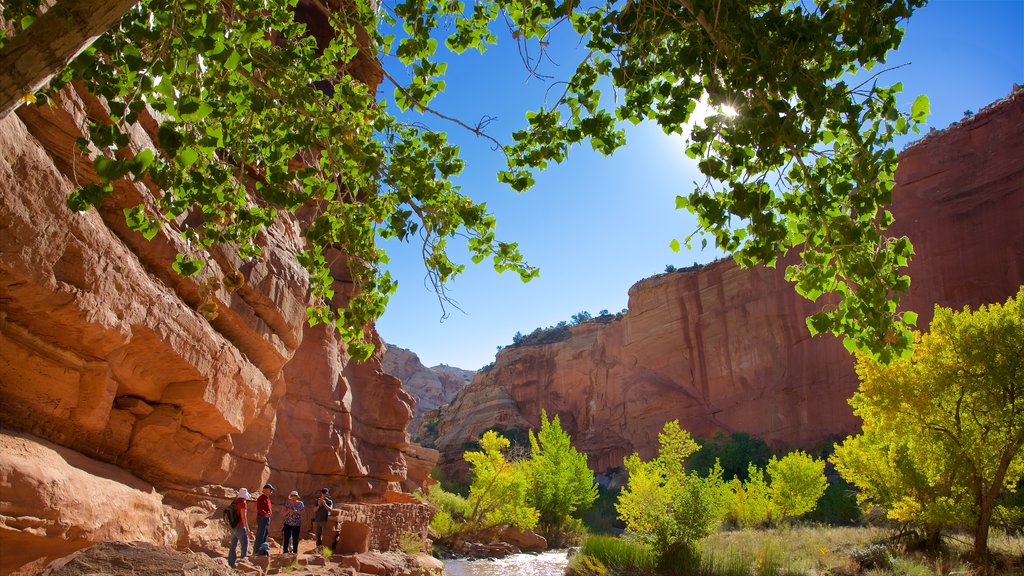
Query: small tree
(667,507)
(581,317)
(751,503)
(944,429)
(797,483)
(561,483)
(498,490)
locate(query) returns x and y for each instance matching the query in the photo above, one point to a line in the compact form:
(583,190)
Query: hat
(294,493)
(268,485)
(324,490)
(244,493)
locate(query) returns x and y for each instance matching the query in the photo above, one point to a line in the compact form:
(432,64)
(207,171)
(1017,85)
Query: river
(545,564)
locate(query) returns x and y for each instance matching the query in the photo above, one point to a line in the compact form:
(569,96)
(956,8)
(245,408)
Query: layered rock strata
(182,390)
(725,349)
(431,387)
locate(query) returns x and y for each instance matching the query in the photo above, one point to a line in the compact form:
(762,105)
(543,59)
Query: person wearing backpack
(240,531)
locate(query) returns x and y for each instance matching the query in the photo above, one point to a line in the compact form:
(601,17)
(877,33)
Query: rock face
(726,349)
(141,398)
(431,387)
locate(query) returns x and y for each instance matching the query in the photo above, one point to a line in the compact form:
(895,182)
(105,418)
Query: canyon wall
(431,387)
(725,349)
(133,401)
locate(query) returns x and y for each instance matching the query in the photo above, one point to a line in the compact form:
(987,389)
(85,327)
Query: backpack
(230,515)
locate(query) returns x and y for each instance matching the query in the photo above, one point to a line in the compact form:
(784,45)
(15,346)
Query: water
(544,564)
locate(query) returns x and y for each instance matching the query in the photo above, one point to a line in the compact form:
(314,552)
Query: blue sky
(596,225)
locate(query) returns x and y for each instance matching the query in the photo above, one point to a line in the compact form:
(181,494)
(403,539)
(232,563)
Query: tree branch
(33,57)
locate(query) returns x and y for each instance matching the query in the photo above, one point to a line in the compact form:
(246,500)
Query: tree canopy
(943,433)
(561,482)
(258,116)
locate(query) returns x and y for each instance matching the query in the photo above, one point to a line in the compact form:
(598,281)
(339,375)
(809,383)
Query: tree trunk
(32,57)
(981,528)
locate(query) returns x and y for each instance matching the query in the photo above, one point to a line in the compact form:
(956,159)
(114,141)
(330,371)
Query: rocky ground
(144,559)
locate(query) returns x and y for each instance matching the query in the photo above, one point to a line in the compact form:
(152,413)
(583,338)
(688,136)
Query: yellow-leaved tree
(944,429)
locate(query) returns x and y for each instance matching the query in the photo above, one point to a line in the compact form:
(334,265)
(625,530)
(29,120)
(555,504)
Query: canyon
(431,387)
(726,349)
(135,402)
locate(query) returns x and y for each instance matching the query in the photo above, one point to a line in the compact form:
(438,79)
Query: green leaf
(920,110)
(109,169)
(142,161)
(187,157)
(232,60)
(187,266)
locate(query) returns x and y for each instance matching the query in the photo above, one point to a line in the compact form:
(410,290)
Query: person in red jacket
(263,513)
(240,531)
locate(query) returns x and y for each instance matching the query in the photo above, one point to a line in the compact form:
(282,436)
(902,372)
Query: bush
(873,556)
(734,453)
(601,517)
(838,506)
(665,506)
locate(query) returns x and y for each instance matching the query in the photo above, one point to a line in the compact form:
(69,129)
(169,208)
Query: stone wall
(361,527)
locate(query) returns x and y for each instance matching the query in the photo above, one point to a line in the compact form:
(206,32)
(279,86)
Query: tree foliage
(254,123)
(561,483)
(785,488)
(498,489)
(944,430)
(666,506)
(734,452)
(797,483)
(751,502)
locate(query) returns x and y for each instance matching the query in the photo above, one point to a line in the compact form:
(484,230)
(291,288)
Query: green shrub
(838,506)
(601,517)
(663,504)
(452,509)
(734,453)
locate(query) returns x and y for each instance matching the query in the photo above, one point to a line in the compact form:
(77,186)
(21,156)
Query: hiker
(321,511)
(292,522)
(263,515)
(240,531)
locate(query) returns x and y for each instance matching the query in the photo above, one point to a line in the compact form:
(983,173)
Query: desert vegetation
(929,486)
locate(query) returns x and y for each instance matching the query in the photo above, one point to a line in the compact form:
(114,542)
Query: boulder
(525,540)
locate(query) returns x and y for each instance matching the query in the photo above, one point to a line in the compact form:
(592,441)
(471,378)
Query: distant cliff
(430,387)
(726,349)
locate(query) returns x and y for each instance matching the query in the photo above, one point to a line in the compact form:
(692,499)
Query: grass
(608,556)
(410,543)
(797,551)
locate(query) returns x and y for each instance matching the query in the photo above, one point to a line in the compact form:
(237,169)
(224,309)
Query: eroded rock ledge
(128,410)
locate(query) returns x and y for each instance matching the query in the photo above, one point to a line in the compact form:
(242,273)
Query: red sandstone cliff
(726,349)
(125,412)
(430,387)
